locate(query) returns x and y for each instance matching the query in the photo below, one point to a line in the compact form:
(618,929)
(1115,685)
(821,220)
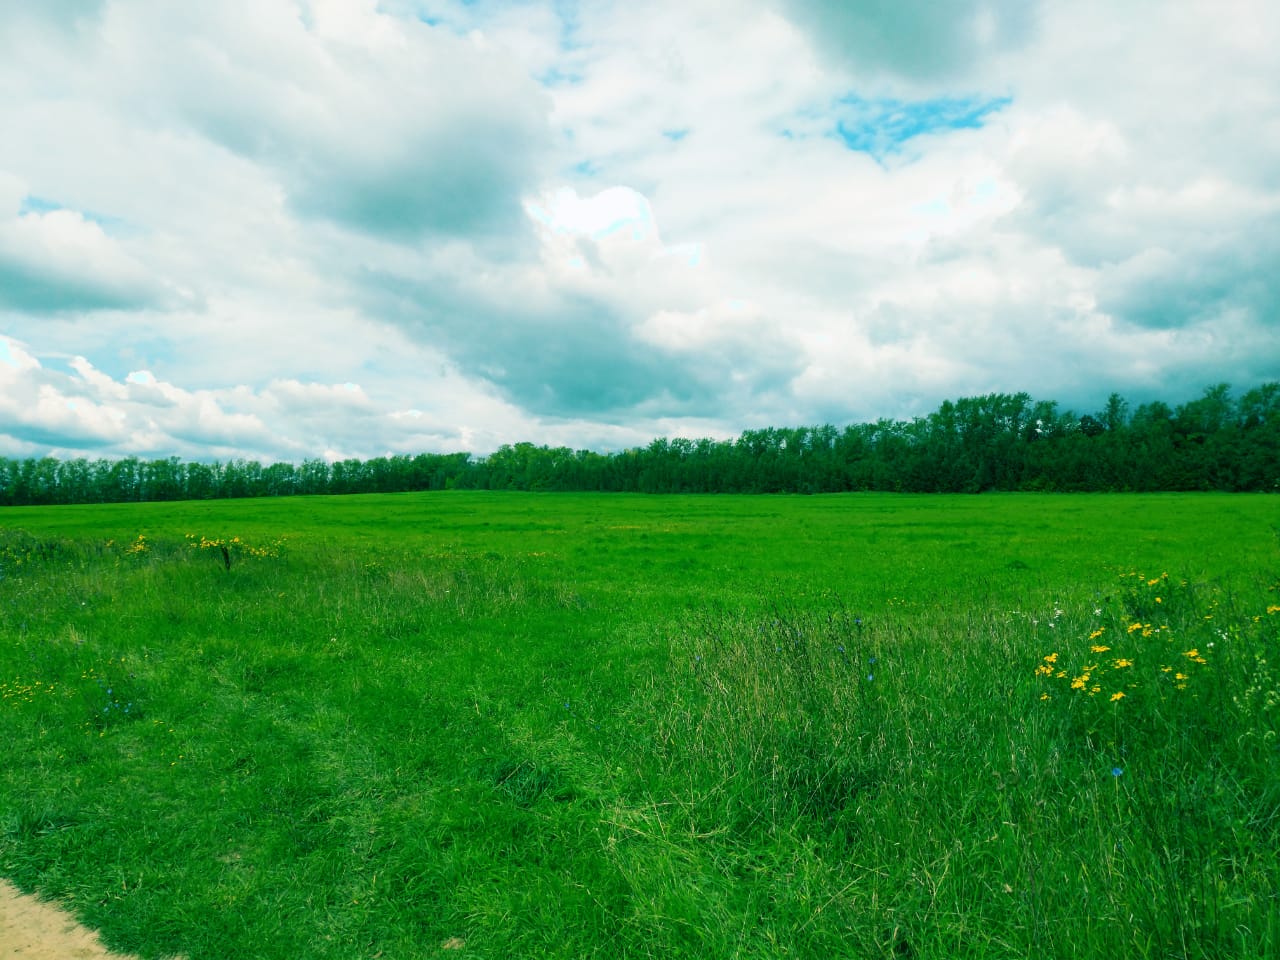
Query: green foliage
(993,442)
(496,725)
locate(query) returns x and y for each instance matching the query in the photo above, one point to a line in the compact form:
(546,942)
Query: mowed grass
(490,725)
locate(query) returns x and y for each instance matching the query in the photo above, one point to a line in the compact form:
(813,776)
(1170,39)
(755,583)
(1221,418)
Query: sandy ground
(31,929)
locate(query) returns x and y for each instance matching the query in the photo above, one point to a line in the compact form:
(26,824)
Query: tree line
(993,442)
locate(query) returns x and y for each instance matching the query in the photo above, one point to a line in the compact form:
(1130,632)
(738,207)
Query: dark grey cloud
(567,353)
(58,262)
(446,182)
(36,435)
(63,14)
(419,133)
(917,40)
(1199,280)
(30,289)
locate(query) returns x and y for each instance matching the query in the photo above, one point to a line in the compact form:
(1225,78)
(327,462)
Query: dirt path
(31,929)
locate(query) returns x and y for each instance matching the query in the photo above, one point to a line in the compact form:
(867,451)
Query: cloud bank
(338,228)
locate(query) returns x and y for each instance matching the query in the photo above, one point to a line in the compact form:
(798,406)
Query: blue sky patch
(34,204)
(570,25)
(881,126)
(557,77)
(6,354)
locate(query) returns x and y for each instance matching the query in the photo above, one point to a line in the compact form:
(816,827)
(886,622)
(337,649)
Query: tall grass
(963,798)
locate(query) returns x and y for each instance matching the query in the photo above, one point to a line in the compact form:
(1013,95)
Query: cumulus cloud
(59,261)
(380,124)
(35,411)
(1201,280)
(83,410)
(609,319)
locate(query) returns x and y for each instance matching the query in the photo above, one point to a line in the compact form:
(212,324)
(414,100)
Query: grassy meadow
(514,725)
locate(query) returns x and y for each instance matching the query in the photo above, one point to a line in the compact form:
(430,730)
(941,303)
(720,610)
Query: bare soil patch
(32,929)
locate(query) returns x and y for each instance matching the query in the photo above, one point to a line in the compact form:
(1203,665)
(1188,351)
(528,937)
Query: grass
(487,725)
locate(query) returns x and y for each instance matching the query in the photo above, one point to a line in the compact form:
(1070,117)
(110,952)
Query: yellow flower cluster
(18,691)
(1046,669)
(234,546)
(1145,628)
(1117,675)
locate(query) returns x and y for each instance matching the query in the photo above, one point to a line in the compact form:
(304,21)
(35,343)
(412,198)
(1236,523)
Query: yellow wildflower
(1122,662)
(1134,626)
(1118,695)
(1097,633)
(1098,649)
(1051,658)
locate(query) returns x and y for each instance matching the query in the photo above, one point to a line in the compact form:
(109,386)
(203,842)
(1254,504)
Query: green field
(515,725)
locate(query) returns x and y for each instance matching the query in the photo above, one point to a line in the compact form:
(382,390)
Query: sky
(288,229)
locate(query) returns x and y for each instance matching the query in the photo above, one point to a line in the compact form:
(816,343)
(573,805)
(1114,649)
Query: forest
(1006,442)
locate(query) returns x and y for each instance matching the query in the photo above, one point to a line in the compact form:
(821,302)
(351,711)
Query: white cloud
(35,410)
(58,260)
